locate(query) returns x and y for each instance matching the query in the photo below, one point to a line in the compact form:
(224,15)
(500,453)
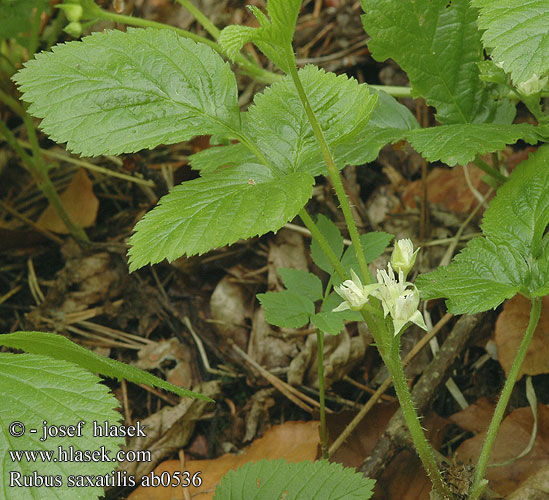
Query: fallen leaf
(294,441)
(536,487)
(513,437)
(510,327)
(79,202)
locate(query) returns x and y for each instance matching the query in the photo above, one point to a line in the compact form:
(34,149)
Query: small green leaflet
(62,349)
(302,282)
(513,255)
(516,31)
(217,210)
(117,92)
(286,309)
(35,388)
(438,44)
(461,143)
(332,234)
(276,479)
(273,37)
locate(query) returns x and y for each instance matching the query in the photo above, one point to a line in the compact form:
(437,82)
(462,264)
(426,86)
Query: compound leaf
(513,255)
(273,37)
(35,389)
(516,31)
(301,282)
(272,479)
(461,143)
(61,348)
(278,125)
(438,44)
(117,92)
(286,309)
(217,210)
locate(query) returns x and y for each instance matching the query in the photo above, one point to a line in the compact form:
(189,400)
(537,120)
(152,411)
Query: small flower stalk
(403,257)
(354,294)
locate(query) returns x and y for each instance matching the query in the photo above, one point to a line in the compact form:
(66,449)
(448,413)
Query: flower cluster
(399,298)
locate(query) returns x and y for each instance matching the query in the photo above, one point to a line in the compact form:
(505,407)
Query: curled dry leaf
(510,327)
(79,202)
(536,487)
(294,441)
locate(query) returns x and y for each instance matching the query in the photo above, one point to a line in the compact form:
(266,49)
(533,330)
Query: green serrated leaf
(216,210)
(35,389)
(278,125)
(516,31)
(520,211)
(389,123)
(301,282)
(438,45)
(328,322)
(513,257)
(286,309)
(217,157)
(272,479)
(61,348)
(332,234)
(461,143)
(117,92)
(273,37)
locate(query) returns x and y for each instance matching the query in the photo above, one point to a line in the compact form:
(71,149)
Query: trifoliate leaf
(301,282)
(276,479)
(216,210)
(438,44)
(38,388)
(512,257)
(286,309)
(117,92)
(516,31)
(273,37)
(61,348)
(388,124)
(461,143)
(278,125)
(328,322)
(332,234)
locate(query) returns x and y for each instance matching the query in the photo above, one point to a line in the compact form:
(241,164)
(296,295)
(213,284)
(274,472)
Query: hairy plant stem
(491,171)
(478,479)
(247,65)
(333,172)
(320,360)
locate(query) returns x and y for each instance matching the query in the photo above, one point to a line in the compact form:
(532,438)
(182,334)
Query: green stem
(333,172)
(393,90)
(250,67)
(478,482)
(323,431)
(12,103)
(323,242)
(491,171)
(200,17)
(424,450)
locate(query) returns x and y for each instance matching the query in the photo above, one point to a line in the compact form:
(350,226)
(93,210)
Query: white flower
(403,257)
(354,294)
(398,300)
(534,85)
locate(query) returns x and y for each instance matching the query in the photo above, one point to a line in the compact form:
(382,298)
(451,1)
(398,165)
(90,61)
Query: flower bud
(403,257)
(534,85)
(73,11)
(73,29)
(354,294)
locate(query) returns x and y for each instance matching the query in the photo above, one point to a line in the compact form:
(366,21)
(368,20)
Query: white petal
(342,307)
(417,318)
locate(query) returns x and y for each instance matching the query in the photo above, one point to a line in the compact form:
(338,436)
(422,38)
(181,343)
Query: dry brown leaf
(476,417)
(536,487)
(510,328)
(513,437)
(294,441)
(448,188)
(79,202)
